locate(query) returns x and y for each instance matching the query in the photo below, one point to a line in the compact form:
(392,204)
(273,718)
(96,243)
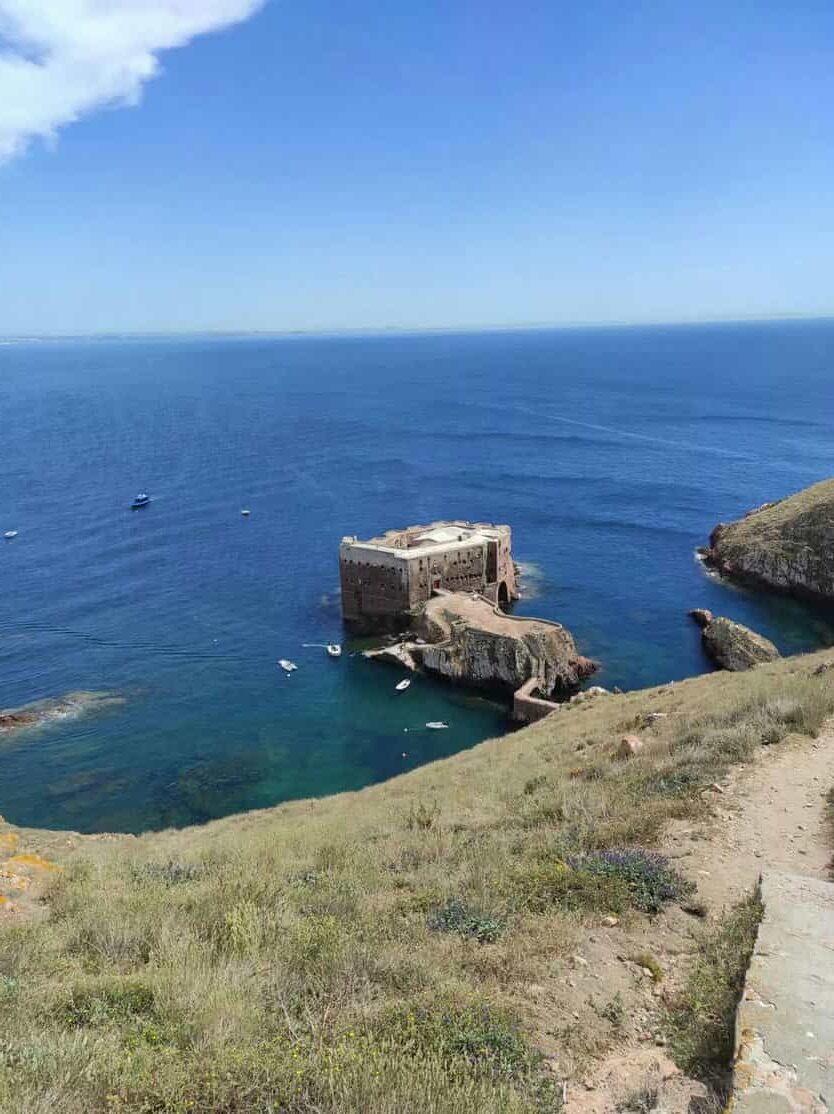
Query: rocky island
(787,545)
(447,584)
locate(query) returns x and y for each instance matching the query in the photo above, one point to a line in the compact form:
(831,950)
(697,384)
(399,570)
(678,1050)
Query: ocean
(611,452)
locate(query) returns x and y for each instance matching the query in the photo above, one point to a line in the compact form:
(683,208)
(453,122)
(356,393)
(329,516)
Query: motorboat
(287,665)
(10,534)
(437,725)
(402,685)
(141,500)
(334,650)
(245,512)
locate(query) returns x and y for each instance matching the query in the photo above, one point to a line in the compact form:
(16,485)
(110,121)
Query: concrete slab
(785,1021)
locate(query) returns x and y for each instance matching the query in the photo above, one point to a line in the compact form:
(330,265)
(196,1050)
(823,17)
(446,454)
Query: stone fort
(386,580)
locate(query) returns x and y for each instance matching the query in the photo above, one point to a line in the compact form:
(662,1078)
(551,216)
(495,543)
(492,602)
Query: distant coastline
(463,329)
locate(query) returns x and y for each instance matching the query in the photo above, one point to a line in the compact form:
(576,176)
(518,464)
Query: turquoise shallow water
(611,452)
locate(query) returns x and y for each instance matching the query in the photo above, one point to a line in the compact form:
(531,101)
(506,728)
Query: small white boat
(287,665)
(10,534)
(245,512)
(437,725)
(402,686)
(334,650)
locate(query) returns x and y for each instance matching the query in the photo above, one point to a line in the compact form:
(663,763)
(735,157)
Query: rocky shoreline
(785,546)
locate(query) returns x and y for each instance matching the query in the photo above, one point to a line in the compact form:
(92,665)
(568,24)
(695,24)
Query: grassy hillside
(377,951)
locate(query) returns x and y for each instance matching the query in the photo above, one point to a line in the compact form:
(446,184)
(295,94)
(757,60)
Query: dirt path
(770,814)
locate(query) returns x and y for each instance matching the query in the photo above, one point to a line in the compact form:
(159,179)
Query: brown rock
(736,647)
(702,616)
(630,746)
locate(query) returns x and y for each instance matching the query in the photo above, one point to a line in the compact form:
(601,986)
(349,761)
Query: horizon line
(375,330)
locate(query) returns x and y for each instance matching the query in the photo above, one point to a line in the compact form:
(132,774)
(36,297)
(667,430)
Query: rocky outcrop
(468,640)
(788,546)
(73,704)
(731,645)
(471,641)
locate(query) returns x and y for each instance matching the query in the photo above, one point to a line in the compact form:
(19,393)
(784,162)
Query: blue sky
(331,166)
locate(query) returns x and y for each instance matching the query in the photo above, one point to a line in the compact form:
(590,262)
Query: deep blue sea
(611,452)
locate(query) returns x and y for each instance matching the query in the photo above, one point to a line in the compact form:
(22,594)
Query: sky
(192,165)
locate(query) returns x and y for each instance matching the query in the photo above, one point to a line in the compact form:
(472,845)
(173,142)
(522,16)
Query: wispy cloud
(61,59)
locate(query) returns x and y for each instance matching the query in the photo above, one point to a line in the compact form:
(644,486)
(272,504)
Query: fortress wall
(374,584)
(381,586)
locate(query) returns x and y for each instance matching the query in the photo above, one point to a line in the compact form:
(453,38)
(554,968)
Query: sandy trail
(770,814)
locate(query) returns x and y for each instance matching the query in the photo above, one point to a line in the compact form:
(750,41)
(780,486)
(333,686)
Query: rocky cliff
(787,545)
(468,640)
(731,645)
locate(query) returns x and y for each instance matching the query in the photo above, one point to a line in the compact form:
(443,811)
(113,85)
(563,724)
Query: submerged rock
(702,616)
(787,546)
(42,712)
(731,645)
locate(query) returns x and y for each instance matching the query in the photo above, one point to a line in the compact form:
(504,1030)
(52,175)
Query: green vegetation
(648,879)
(375,951)
(642,1100)
(454,916)
(702,1022)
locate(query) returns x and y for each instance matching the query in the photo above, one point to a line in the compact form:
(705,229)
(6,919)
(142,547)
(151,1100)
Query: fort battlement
(387,579)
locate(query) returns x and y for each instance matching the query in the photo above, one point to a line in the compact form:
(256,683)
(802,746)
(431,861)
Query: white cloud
(61,59)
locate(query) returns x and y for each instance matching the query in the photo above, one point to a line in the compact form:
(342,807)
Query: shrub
(488,1040)
(333,856)
(105,943)
(614,1011)
(313,943)
(172,873)
(642,1100)
(650,963)
(647,876)
(116,1000)
(539,887)
(243,928)
(422,817)
(454,916)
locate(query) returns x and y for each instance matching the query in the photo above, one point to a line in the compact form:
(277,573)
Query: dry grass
(702,1021)
(371,951)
